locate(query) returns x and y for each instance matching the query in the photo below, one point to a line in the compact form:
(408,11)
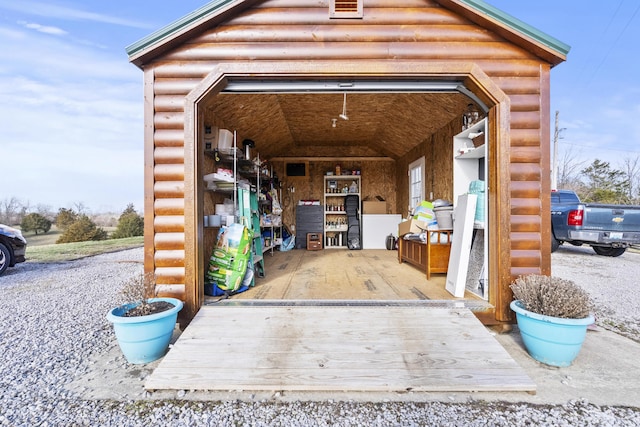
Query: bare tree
(569,168)
(80,208)
(10,209)
(631,169)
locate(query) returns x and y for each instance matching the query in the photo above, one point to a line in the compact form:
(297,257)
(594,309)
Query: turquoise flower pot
(144,339)
(551,340)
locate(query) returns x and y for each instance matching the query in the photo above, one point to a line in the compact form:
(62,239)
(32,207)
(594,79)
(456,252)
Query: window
(416,183)
(345,9)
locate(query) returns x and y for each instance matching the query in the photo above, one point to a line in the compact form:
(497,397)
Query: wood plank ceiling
(301,125)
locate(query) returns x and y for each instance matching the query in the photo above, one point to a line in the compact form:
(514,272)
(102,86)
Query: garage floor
(345,275)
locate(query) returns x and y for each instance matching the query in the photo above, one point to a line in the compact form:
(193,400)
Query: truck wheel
(612,252)
(555,243)
(5,258)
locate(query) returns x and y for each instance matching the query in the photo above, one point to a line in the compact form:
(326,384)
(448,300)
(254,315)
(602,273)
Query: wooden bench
(433,257)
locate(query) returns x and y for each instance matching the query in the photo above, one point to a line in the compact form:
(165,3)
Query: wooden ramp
(338,346)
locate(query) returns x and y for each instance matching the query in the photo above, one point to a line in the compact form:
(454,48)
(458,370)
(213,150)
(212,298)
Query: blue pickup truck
(608,229)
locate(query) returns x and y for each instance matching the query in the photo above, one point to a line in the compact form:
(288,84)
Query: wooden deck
(337,347)
(337,320)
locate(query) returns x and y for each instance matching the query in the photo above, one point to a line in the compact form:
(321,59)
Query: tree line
(599,181)
(76,225)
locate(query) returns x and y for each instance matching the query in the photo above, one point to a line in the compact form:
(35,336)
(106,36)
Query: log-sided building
(276,71)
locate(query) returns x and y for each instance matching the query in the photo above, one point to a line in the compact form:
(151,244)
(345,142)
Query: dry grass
(70,251)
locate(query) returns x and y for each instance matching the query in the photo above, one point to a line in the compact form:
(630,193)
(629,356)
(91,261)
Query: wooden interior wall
(441,171)
(377,178)
(438,153)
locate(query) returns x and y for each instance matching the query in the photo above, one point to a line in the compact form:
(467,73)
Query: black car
(12,247)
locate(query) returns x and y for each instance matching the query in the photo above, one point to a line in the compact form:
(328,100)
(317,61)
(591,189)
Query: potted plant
(553,315)
(145,324)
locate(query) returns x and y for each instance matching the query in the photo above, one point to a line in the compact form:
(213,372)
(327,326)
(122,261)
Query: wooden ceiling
(301,125)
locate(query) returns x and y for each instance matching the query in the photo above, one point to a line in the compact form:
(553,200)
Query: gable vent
(345,8)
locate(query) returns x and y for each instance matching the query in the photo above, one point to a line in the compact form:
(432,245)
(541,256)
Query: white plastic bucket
(444,217)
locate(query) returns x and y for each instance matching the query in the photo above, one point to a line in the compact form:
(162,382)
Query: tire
(5,258)
(555,243)
(612,252)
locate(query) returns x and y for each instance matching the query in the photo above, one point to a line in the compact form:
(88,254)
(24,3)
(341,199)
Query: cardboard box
(374,207)
(412,226)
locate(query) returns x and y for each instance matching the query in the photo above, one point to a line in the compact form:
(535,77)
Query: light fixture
(344,116)
(334,122)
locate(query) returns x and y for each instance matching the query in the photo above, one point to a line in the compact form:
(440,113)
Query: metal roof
(519,26)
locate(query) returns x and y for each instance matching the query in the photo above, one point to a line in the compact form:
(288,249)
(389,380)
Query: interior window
(416,183)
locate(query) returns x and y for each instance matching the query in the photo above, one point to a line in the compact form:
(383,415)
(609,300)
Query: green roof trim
(168,31)
(519,26)
(212,8)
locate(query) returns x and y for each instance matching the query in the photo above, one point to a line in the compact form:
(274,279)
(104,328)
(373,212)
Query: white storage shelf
(466,167)
(475,153)
(470,164)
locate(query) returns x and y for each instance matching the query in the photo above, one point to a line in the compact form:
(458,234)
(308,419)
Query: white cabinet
(340,220)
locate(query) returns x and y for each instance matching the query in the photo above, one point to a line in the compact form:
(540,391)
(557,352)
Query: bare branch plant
(552,296)
(140,289)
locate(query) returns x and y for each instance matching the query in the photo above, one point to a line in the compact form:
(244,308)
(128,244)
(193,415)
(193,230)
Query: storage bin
(478,188)
(225,139)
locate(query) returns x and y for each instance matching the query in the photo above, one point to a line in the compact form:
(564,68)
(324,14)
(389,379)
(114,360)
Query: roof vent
(345,8)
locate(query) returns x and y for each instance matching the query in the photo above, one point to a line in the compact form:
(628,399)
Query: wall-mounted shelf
(474,153)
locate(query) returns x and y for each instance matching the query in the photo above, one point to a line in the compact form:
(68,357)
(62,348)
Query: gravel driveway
(55,338)
(612,283)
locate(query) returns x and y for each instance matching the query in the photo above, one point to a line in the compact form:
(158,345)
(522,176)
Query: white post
(554,167)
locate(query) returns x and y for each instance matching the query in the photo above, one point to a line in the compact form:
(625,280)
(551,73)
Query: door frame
(475,80)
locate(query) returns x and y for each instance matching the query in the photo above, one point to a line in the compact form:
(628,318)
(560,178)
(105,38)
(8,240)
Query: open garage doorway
(390,123)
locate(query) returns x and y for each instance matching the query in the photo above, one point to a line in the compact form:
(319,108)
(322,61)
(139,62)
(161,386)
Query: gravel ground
(51,336)
(612,283)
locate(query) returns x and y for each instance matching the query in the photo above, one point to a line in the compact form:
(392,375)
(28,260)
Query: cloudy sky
(71,104)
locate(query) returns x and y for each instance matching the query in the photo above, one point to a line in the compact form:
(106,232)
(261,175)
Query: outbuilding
(281,73)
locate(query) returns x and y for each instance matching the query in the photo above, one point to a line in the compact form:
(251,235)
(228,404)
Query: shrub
(552,296)
(35,222)
(82,230)
(130,224)
(65,218)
